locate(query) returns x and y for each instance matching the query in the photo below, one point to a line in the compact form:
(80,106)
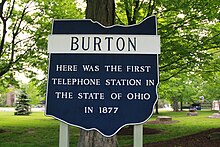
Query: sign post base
(138,135)
(64,135)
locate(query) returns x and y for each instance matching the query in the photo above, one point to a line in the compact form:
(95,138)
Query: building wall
(216,105)
(11,99)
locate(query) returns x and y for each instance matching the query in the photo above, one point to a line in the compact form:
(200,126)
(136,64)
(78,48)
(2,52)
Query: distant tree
(33,93)
(3,91)
(211,88)
(22,104)
(180,89)
(2,96)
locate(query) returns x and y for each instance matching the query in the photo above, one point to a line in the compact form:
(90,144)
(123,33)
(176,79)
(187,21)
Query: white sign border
(126,123)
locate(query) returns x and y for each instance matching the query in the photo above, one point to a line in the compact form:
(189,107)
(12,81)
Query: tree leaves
(25,25)
(190,40)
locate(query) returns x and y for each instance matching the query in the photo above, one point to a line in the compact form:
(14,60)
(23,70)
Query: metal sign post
(138,135)
(64,135)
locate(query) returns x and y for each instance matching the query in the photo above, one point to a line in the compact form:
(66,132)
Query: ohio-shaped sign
(102,78)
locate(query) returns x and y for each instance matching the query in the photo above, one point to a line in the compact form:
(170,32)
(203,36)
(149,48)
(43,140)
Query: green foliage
(32,90)
(130,12)
(188,29)
(211,88)
(26,25)
(22,104)
(2,96)
(180,88)
(50,9)
(190,41)
(185,34)
(16,23)
(33,93)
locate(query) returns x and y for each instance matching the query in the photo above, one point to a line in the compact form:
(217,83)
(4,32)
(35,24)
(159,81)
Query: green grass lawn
(37,130)
(187,125)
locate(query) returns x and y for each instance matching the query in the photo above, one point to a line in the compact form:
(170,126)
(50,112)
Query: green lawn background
(37,130)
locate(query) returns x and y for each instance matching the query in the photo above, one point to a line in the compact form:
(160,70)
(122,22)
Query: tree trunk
(181,104)
(95,139)
(156,108)
(218,106)
(102,11)
(175,105)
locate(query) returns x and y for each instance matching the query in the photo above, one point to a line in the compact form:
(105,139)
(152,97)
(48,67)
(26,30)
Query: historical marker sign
(102,77)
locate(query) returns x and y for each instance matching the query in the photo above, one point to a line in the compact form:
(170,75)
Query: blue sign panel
(96,78)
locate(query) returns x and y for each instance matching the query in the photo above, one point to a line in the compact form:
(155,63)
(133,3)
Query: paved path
(12,109)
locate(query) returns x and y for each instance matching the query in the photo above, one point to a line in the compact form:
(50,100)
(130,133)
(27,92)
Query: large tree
(102,11)
(188,29)
(25,26)
(50,9)
(17,39)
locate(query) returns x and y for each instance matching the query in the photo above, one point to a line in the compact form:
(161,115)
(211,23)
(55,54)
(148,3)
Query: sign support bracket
(138,135)
(64,135)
